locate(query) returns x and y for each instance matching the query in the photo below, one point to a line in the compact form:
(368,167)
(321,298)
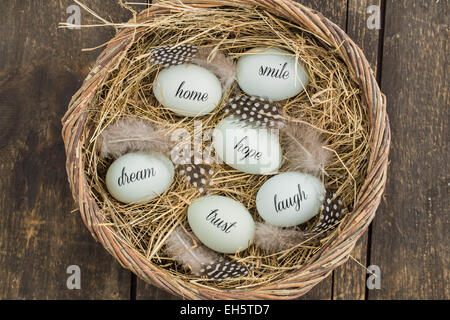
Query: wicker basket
(333,254)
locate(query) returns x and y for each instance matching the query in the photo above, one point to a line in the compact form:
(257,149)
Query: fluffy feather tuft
(218,64)
(187,250)
(131,135)
(305,149)
(274,239)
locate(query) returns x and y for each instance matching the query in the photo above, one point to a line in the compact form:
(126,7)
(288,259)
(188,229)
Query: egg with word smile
(271,73)
(290,198)
(222,224)
(188,90)
(139,177)
(246,148)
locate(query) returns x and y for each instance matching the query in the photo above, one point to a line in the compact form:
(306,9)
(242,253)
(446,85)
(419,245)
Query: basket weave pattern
(331,255)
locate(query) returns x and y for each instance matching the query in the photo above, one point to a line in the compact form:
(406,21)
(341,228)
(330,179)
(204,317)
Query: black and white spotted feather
(198,174)
(255,111)
(191,254)
(224,269)
(168,56)
(213,60)
(332,211)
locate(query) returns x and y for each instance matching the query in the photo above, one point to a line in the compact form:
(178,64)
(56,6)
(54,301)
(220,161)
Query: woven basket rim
(331,255)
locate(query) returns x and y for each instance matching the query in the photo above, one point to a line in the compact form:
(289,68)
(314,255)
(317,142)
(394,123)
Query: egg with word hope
(246,148)
(271,73)
(222,224)
(188,90)
(139,177)
(290,198)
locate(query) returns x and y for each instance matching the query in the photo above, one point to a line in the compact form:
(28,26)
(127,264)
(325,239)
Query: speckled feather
(173,55)
(331,212)
(224,269)
(255,111)
(197,174)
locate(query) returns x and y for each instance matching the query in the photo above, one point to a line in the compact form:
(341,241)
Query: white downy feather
(132,135)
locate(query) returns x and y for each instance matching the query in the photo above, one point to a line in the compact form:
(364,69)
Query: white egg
(247,148)
(271,73)
(290,198)
(139,177)
(221,223)
(188,90)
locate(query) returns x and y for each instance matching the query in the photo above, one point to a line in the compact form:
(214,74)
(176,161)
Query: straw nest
(341,102)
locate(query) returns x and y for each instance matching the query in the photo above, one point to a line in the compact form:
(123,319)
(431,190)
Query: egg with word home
(188,90)
(247,148)
(290,198)
(138,177)
(222,224)
(271,73)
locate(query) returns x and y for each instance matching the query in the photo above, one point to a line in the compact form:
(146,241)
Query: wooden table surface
(41,233)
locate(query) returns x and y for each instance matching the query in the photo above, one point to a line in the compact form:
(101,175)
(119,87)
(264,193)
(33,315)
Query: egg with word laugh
(271,73)
(139,177)
(222,224)
(247,148)
(188,90)
(290,198)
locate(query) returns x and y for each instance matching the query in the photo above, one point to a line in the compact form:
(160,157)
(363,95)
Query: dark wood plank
(349,281)
(41,66)
(367,39)
(145,291)
(410,232)
(335,10)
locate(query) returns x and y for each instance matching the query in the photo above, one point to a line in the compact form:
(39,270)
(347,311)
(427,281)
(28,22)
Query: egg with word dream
(290,198)
(139,177)
(246,148)
(188,90)
(271,73)
(222,224)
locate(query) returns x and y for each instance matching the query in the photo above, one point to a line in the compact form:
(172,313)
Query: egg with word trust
(290,198)
(222,224)
(188,90)
(246,148)
(271,73)
(139,177)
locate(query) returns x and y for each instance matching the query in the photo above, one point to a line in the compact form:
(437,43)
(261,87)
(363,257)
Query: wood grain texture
(367,39)
(335,10)
(41,67)
(410,233)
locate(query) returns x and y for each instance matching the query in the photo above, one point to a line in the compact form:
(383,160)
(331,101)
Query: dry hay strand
(331,104)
